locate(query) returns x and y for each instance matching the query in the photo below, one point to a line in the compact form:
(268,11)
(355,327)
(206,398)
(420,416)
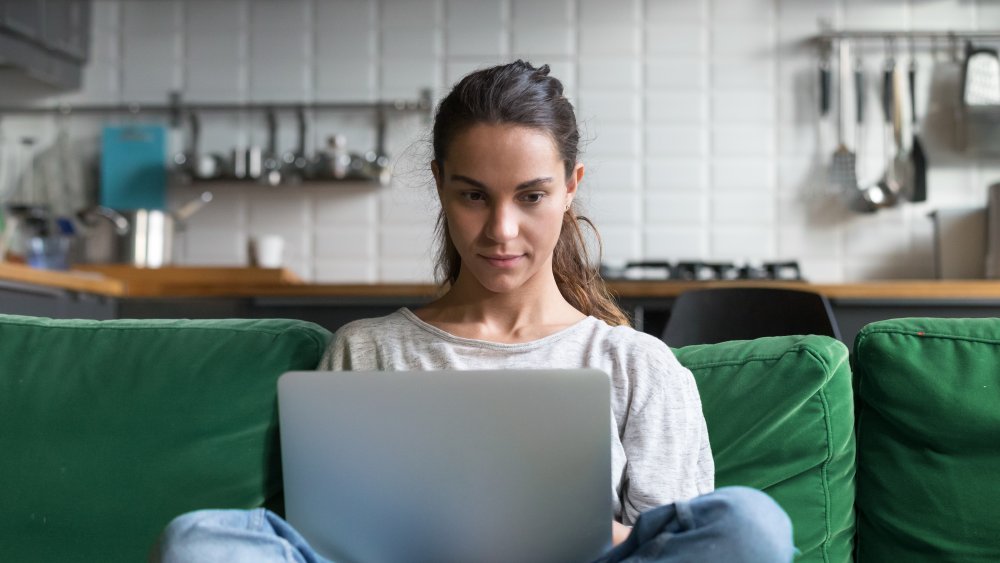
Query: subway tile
(213,247)
(343,243)
(679,107)
(343,79)
(806,12)
(944,15)
(676,175)
(605,40)
(676,140)
(278,210)
(614,140)
(344,31)
(542,13)
(821,270)
(612,208)
(743,140)
(532,41)
(675,40)
(105,15)
(406,271)
(406,242)
(618,107)
(619,244)
(671,12)
(687,74)
(487,14)
(344,271)
(742,175)
(743,107)
(609,74)
(864,14)
(742,41)
(674,243)
(753,74)
(408,207)
(405,78)
(410,43)
(153,17)
(675,209)
(100,84)
(875,240)
(742,243)
(814,242)
(742,209)
(609,175)
(603,12)
(743,11)
(344,206)
(409,13)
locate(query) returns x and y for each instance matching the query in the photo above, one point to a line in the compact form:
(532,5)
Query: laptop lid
(440,466)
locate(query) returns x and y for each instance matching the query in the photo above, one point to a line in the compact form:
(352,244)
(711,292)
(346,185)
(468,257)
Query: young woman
(521,291)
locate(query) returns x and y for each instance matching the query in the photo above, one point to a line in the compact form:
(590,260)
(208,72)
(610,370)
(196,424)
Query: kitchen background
(701,118)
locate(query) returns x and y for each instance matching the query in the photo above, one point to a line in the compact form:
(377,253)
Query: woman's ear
(574,180)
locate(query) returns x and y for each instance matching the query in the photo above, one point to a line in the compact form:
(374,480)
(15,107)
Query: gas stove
(703,271)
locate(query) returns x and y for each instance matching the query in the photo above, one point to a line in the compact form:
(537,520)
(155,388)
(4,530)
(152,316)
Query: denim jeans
(730,524)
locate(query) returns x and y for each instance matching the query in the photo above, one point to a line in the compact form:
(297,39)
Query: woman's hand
(619,532)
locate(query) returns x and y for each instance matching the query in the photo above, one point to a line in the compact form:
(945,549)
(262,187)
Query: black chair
(709,316)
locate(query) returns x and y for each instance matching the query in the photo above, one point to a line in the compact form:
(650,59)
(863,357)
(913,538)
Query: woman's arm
(619,532)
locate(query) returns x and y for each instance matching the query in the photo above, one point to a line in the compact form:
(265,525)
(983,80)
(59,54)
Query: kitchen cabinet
(48,40)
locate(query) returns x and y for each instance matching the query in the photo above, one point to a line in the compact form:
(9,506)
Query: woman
(521,291)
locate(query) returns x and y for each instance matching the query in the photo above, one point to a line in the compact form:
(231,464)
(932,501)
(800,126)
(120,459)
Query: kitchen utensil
(141,237)
(918,158)
(843,172)
(295,165)
(889,185)
(901,162)
(185,163)
(981,76)
(133,167)
(271,163)
(865,199)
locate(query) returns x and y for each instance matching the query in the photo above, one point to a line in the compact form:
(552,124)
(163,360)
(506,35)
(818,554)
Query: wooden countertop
(124,281)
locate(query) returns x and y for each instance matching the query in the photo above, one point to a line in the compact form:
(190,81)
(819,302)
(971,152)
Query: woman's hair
(520,94)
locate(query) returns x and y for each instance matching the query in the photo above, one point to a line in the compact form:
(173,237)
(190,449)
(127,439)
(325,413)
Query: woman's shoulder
(374,326)
(627,338)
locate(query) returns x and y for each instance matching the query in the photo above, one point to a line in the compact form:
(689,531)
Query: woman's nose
(502,224)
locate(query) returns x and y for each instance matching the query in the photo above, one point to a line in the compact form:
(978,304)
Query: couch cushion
(111,428)
(780,418)
(929,440)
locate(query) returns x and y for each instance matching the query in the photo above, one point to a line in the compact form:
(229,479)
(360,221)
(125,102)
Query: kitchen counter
(109,291)
(124,281)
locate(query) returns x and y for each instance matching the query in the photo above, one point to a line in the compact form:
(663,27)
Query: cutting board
(133,167)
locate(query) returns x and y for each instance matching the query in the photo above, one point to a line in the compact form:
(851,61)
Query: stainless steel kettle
(141,237)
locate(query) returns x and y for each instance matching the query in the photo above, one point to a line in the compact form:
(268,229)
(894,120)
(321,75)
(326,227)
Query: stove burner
(703,271)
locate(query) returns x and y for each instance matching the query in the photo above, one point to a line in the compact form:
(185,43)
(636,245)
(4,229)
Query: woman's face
(504,191)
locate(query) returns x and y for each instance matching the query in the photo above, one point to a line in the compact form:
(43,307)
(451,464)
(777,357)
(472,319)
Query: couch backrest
(108,429)
(780,418)
(929,440)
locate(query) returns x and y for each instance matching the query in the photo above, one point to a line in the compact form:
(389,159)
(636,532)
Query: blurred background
(707,139)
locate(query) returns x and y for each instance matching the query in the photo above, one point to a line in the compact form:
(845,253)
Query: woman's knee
(754,521)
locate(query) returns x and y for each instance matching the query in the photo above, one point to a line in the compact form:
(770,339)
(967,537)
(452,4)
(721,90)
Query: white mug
(269,250)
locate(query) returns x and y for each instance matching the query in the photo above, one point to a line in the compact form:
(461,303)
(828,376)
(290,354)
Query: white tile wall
(699,118)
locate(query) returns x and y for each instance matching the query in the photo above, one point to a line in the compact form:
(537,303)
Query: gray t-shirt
(659,446)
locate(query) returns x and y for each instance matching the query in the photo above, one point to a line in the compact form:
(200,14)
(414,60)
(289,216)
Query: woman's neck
(529,313)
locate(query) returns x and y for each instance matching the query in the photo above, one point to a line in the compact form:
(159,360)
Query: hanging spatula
(843,171)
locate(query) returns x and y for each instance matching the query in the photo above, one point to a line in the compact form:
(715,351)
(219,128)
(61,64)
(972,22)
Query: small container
(49,253)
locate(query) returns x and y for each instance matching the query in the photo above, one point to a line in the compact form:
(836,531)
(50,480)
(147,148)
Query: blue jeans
(730,524)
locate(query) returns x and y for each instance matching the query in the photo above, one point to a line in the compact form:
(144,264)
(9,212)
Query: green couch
(109,429)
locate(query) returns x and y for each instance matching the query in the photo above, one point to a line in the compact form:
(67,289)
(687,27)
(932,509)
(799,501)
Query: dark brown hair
(520,94)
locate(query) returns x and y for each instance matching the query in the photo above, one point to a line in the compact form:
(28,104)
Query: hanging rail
(944,35)
(176,107)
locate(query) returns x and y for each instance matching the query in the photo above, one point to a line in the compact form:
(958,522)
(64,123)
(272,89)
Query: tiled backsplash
(703,136)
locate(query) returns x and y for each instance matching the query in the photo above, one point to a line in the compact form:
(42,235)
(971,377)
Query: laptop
(442,466)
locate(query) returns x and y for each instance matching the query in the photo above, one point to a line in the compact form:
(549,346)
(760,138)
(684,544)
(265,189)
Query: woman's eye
(533,198)
(473,196)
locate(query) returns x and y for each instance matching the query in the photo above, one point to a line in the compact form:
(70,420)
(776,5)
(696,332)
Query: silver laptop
(442,466)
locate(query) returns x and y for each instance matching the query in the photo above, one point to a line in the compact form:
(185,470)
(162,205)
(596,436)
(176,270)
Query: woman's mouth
(503,260)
